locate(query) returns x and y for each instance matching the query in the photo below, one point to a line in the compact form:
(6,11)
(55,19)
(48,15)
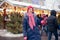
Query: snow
(4,33)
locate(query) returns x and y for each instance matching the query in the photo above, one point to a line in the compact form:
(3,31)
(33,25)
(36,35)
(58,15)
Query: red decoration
(42,11)
(4,15)
(15,8)
(4,10)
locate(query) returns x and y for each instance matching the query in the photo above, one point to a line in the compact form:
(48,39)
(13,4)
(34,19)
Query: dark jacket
(52,23)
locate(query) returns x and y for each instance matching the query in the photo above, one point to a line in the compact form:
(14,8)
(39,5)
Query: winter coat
(28,32)
(52,24)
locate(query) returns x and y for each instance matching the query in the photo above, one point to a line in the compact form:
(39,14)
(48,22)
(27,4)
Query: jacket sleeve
(38,21)
(56,24)
(25,27)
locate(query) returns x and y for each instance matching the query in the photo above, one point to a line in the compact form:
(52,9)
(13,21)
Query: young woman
(30,25)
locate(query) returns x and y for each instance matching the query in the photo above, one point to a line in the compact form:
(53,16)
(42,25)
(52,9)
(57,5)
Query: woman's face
(30,10)
(42,15)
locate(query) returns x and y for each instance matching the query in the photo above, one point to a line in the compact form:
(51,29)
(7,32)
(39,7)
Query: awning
(1,2)
(16,3)
(23,4)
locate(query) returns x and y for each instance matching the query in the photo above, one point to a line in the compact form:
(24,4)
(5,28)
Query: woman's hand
(25,38)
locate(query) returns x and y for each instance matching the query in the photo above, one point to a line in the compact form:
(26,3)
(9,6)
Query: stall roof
(1,2)
(16,3)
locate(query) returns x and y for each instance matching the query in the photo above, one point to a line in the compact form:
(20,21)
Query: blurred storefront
(21,6)
(17,8)
(10,7)
(9,11)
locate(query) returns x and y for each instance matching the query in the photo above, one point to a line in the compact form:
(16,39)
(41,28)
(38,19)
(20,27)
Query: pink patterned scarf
(31,20)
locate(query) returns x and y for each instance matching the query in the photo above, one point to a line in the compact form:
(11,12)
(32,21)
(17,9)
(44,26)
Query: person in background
(45,20)
(31,29)
(52,25)
(44,23)
(39,17)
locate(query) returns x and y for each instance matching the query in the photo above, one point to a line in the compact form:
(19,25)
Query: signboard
(42,2)
(36,2)
(39,2)
(18,0)
(1,1)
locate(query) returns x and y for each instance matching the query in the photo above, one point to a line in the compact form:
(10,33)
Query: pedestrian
(52,25)
(40,18)
(31,29)
(44,23)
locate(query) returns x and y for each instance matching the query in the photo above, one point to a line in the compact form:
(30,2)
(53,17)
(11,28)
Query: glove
(25,38)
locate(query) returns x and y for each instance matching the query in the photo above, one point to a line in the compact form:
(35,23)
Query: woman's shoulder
(25,16)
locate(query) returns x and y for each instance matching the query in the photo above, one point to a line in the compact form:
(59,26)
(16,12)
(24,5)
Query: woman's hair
(46,15)
(29,8)
(38,16)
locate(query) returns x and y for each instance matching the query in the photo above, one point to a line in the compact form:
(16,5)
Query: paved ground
(44,37)
(21,38)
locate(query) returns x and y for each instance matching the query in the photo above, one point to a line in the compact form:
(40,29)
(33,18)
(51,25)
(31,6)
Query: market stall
(15,12)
